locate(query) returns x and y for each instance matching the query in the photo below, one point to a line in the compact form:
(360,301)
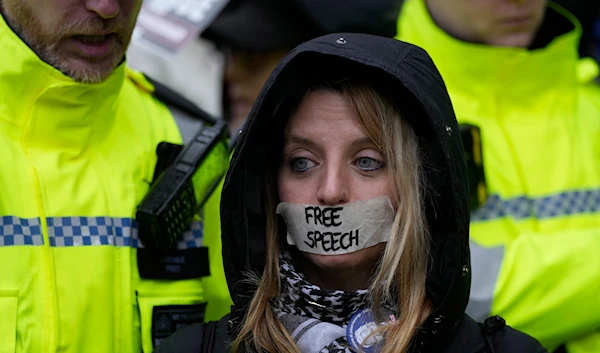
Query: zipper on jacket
(50,324)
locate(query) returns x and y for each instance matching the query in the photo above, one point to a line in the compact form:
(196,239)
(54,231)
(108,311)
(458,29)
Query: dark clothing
(467,339)
(408,76)
(264,25)
(191,339)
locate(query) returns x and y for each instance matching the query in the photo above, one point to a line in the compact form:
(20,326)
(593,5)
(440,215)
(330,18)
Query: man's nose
(333,187)
(230,70)
(104,8)
(235,69)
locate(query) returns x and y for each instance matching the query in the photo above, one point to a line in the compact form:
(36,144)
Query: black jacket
(468,338)
(418,88)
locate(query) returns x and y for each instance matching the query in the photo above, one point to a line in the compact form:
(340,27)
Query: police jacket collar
(419,89)
(488,72)
(35,98)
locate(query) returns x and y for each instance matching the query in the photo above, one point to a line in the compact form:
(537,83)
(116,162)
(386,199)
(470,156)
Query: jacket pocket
(162,314)
(8,320)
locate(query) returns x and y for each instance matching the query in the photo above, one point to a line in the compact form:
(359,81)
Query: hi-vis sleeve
(547,285)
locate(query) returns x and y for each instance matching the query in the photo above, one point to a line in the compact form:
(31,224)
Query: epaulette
(139,80)
(588,70)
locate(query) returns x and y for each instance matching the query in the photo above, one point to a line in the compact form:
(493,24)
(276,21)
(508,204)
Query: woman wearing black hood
(345,217)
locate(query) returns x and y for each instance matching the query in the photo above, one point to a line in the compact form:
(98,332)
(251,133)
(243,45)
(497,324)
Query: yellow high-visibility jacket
(535,246)
(75,161)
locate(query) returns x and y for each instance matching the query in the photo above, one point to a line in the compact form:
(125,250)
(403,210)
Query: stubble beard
(46,43)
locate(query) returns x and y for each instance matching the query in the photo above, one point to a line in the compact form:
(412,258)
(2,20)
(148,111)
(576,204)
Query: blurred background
(197,70)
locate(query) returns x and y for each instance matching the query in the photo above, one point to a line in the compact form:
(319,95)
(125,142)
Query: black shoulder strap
(174,99)
(489,327)
(561,349)
(188,116)
(208,341)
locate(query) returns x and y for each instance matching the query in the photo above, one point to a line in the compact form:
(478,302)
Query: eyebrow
(364,141)
(301,140)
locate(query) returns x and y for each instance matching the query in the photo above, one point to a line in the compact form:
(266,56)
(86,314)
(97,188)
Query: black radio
(182,187)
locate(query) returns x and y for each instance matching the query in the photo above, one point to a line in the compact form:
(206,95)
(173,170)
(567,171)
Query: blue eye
(369,164)
(300,165)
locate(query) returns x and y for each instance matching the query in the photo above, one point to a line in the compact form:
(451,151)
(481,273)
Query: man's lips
(94,46)
(517,21)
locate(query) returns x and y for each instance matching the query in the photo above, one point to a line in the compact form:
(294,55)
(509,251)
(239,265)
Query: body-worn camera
(182,188)
(471,138)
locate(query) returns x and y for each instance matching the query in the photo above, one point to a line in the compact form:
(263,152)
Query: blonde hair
(400,277)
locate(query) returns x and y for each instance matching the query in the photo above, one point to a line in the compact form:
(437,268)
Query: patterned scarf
(315,318)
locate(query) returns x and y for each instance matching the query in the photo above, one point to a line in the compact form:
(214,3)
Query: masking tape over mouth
(339,229)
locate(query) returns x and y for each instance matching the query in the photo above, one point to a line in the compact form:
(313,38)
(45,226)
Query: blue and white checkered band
(85,231)
(20,231)
(90,231)
(557,205)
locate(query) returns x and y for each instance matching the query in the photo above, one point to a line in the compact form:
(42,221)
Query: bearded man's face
(85,39)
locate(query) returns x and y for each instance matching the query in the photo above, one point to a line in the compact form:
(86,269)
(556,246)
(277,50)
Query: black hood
(408,72)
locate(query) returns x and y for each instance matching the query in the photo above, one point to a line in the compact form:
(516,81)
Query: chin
(517,40)
(237,121)
(340,262)
(356,260)
(84,71)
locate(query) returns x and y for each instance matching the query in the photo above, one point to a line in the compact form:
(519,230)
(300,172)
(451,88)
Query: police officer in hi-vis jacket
(78,140)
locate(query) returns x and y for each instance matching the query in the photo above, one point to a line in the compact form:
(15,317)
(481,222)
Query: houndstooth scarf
(315,318)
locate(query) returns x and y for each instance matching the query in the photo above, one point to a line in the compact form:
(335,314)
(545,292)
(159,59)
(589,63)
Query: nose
(230,71)
(333,187)
(104,8)
(234,67)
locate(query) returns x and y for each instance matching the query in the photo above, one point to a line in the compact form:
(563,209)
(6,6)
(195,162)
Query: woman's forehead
(323,115)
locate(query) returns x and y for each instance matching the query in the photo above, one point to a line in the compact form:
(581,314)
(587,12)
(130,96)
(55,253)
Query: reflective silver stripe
(16,231)
(557,205)
(485,268)
(188,125)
